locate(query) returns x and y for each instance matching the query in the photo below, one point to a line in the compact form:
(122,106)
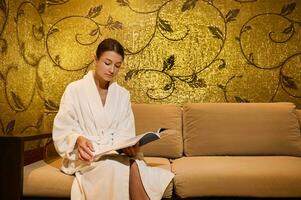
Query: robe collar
(99,111)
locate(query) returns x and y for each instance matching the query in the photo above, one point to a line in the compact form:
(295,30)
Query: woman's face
(107,65)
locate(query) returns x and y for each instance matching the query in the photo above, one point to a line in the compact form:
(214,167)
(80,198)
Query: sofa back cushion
(151,117)
(241,129)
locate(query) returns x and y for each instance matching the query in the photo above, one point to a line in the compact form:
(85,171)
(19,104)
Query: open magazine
(142,139)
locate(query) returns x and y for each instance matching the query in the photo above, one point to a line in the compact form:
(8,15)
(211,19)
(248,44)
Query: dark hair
(109,44)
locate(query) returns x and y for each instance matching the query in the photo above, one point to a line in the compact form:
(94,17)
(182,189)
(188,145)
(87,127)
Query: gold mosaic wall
(177,51)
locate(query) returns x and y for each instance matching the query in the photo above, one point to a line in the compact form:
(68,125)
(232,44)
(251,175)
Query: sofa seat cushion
(164,164)
(44,178)
(253,176)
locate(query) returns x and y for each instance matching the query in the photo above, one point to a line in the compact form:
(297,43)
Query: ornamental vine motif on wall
(258,29)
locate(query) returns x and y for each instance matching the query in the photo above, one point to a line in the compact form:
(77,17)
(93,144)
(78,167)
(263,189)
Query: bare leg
(137,191)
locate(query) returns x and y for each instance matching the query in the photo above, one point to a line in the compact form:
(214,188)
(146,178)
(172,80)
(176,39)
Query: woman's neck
(100,83)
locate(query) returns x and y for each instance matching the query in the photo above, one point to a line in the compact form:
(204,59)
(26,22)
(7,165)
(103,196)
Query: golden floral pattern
(177,51)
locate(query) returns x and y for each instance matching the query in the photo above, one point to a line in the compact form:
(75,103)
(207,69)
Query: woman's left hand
(131,151)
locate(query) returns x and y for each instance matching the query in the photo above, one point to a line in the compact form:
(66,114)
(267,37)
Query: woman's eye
(117,66)
(107,63)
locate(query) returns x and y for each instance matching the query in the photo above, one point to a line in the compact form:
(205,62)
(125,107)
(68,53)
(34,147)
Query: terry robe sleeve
(66,129)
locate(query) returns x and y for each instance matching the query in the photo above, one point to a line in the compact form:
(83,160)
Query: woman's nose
(111,69)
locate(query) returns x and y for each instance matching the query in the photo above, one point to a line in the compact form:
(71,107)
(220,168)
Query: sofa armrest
(12,164)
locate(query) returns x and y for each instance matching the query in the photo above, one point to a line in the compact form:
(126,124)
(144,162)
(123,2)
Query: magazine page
(142,139)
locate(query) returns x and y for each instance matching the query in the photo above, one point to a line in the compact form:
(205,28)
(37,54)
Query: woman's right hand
(85,149)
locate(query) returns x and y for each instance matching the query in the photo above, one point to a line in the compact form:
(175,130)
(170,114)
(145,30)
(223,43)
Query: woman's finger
(129,151)
(84,155)
(79,156)
(126,151)
(132,151)
(90,146)
(87,151)
(137,148)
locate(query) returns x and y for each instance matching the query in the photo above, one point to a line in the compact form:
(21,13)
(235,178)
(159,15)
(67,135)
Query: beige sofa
(214,149)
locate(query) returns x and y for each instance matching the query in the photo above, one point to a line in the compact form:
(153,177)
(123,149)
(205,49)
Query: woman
(95,112)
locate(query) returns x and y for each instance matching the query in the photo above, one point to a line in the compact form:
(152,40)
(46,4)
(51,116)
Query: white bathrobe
(82,113)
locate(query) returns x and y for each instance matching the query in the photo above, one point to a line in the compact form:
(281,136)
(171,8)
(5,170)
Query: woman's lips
(109,75)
